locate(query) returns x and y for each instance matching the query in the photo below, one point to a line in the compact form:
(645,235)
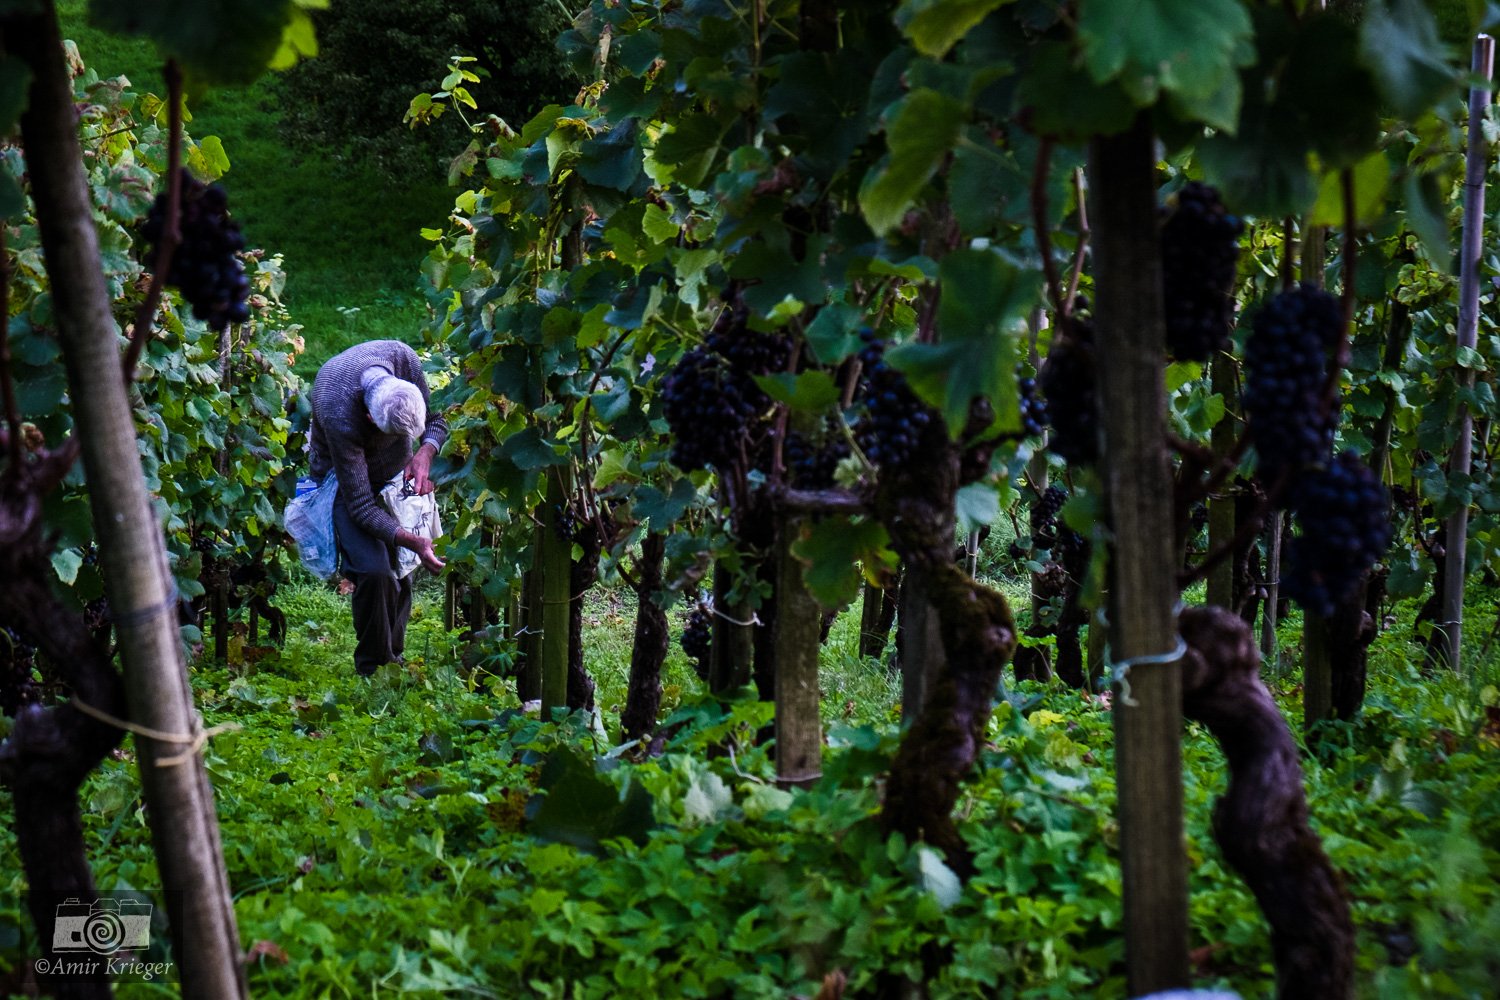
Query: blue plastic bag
(309,520)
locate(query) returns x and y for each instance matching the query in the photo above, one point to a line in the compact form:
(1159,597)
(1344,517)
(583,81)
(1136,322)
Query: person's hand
(422,546)
(418,470)
(429,558)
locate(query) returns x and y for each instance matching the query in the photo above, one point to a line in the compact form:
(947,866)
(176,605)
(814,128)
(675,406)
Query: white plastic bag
(417,514)
(309,520)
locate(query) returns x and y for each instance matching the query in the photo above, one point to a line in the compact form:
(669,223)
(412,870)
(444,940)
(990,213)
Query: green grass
(350,238)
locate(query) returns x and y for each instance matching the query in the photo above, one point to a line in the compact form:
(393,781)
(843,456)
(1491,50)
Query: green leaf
(527,449)
(707,799)
(208,159)
(584,808)
(810,392)
(1065,102)
(924,128)
(298,41)
(1372,179)
(1190,48)
(983,307)
(611,159)
(935,26)
(937,878)
(833,334)
(217,41)
(832,551)
(1306,94)
(1399,41)
(66,563)
(978,504)
(690,148)
(661,510)
(12,198)
(1426,214)
(658,225)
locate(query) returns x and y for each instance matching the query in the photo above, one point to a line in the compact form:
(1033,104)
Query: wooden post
(1148,724)
(1475,166)
(1273,589)
(221,618)
(922,656)
(133,559)
(450,603)
(556,556)
(869,618)
(799,739)
(529,684)
(732,650)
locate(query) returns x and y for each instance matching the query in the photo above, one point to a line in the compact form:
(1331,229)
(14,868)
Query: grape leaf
(810,392)
(921,132)
(217,41)
(1190,48)
(935,26)
(1399,41)
(833,551)
(984,301)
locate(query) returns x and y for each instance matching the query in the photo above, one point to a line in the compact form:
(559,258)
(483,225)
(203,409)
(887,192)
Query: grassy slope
(351,241)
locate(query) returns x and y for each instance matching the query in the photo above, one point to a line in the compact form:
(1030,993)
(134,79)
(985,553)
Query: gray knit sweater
(345,440)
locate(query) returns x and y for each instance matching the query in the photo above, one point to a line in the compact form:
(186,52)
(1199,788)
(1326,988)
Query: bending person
(368,405)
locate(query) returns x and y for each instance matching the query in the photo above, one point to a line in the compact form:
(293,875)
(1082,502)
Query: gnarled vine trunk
(1261,821)
(978,636)
(50,751)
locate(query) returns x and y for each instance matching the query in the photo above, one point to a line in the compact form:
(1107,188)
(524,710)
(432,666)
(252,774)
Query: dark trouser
(382,601)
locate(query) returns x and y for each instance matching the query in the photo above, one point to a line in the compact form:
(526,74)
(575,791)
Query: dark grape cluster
(1033,408)
(895,419)
(698,639)
(1200,246)
(748,351)
(811,464)
(566,524)
(1286,361)
(1342,513)
(1069,381)
(17,658)
(205,267)
(1044,516)
(708,407)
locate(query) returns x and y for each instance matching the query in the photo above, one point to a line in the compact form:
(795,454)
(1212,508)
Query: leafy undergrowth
(388,837)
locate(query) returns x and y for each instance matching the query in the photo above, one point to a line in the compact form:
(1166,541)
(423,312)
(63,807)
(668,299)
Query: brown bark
(977,635)
(1261,822)
(649,651)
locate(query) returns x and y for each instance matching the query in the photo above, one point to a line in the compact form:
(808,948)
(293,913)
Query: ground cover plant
(879,434)
(379,841)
